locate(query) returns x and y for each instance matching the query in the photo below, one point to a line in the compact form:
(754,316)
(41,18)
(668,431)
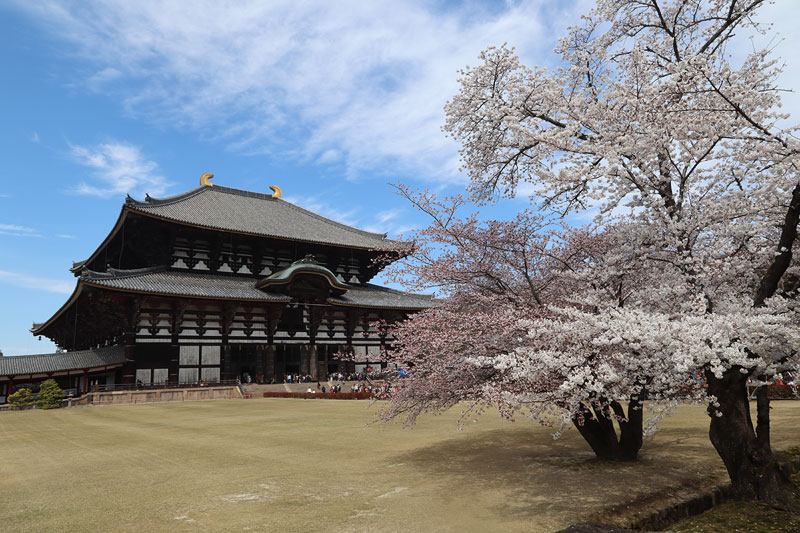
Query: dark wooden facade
(215,283)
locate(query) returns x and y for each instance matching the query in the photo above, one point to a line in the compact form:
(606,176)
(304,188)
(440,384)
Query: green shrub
(50,395)
(21,398)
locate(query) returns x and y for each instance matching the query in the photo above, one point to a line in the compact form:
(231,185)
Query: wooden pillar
(132,323)
(173,360)
(313,362)
(280,361)
(85,381)
(273,313)
(305,353)
(269,363)
(226,362)
(176,321)
(227,315)
(259,360)
(128,370)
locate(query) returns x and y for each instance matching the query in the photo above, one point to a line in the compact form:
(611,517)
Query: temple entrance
(248,363)
(291,359)
(291,354)
(262,363)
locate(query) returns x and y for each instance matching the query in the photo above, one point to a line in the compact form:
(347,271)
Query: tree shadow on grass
(541,476)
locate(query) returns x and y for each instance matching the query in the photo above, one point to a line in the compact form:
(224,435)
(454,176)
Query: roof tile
(255,213)
(59,362)
(200,285)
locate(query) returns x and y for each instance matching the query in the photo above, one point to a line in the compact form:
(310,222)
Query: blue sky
(329,100)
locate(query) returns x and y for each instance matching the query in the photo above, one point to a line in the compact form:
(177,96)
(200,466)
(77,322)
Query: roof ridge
(72,352)
(266,196)
(150,201)
(243,192)
(115,273)
(78,266)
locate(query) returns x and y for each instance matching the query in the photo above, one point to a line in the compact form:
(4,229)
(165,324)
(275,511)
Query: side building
(217,283)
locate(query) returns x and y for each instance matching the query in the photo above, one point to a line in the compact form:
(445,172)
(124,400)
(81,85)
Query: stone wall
(163,395)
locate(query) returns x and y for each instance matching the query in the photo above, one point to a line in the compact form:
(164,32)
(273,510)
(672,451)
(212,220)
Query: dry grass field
(312,465)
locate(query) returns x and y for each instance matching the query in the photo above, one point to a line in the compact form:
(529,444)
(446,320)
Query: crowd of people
(355,387)
(375,389)
(366,375)
(298,378)
(323,389)
(348,376)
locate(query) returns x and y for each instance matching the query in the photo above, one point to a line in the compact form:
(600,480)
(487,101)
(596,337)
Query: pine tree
(21,398)
(50,395)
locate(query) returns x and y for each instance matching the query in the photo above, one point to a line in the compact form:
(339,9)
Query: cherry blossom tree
(651,121)
(514,290)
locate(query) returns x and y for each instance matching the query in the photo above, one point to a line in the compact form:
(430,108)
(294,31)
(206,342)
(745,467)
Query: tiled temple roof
(254,213)
(162,281)
(159,280)
(59,362)
(369,295)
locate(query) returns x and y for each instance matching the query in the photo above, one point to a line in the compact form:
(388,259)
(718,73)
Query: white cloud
(99,79)
(18,231)
(118,168)
(65,236)
(389,214)
(329,156)
(360,84)
(35,137)
(31,282)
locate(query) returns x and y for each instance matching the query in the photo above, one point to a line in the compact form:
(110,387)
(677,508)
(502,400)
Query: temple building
(215,283)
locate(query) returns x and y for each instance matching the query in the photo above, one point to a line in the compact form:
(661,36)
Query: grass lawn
(298,465)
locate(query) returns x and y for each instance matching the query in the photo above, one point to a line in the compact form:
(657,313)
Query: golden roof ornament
(204,179)
(276,191)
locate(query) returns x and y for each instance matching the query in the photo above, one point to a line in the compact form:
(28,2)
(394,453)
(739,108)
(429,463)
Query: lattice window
(210,374)
(160,376)
(143,376)
(189,355)
(211,355)
(187,376)
(199,363)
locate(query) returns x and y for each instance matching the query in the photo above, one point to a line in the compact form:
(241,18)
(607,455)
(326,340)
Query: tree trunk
(597,428)
(746,452)
(630,437)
